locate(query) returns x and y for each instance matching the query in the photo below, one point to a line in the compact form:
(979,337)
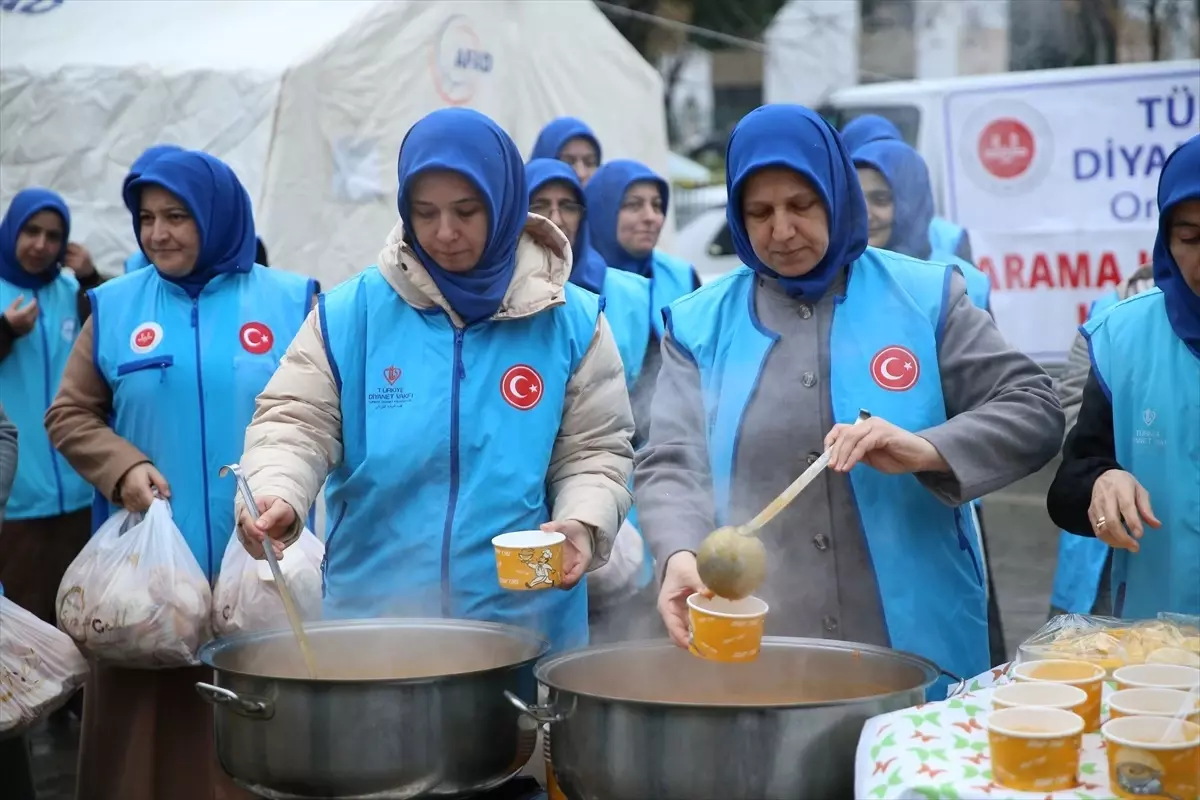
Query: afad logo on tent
(458,60)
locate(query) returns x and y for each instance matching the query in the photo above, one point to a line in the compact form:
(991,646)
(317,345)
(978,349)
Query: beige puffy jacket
(295,437)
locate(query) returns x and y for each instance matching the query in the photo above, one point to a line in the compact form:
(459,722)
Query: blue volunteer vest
(447,437)
(45,485)
(927,556)
(627,309)
(1153,382)
(979,285)
(137,260)
(1081,558)
(673,278)
(184,375)
(944,235)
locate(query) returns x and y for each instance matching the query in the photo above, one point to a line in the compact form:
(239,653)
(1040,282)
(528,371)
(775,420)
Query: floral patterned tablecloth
(939,751)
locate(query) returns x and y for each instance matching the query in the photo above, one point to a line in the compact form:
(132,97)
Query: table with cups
(1053,728)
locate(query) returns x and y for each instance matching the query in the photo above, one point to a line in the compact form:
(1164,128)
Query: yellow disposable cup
(1157,676)
(726,630)
(1153,703)
(1086,676)
(1034,748)
(1141,764)
(527,561)
(1050,695)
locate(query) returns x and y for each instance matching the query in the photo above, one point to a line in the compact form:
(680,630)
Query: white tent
(307,100)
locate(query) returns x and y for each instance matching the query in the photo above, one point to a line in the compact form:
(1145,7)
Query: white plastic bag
(246,598)
(40,668)
(135,595)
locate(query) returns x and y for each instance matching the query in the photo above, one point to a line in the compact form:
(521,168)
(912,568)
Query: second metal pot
(647,719)
(367,729)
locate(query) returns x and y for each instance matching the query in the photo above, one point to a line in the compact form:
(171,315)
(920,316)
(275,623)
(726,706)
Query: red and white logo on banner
(895,368)
(521,387)
(256,338)
(145,337)
(1006,148)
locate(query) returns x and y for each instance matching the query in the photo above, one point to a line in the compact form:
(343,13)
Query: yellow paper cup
(1035,749)
(1152,703)
(1082,674)
(527,561)
(1050,695)
(1141,764)
(725,630)
(1157,676)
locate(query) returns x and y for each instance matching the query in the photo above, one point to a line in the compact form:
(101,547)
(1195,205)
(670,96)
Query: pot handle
(960,684)
(542,715)
(249,707)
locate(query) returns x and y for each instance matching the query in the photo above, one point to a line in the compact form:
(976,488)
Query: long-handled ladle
(289,605)
(732,561)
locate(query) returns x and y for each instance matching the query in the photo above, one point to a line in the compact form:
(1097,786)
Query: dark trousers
(996,646)
(16,773)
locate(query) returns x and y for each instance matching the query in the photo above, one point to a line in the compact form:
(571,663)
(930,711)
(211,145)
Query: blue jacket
(45,485)
(184,375)
(672,279)
(446,444)
(945,236)
(1152,380)
(927,556)
(627,309)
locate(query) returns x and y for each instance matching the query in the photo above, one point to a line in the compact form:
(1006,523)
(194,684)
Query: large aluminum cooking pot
(647,719)
(403,708)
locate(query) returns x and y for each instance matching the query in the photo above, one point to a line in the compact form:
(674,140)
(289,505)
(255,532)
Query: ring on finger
(1101,522)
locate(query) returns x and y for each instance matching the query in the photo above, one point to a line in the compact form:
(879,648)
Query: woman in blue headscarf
(627,205)
(572,142)
(156,396)
(945,236)
(137,259)
(895,183)
(1131,461)
(43,307)
(460,389)
(768,366)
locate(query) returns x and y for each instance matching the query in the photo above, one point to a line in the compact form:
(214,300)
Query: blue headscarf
(869,128)
(219,205)
(464,141)
(588,268)
(1178,183)
(605,192)
(905,171)
(22,208)
(148,157)
(558,132)
(797,138)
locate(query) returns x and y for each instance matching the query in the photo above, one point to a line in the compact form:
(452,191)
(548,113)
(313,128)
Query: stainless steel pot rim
(216,646)
(932,671)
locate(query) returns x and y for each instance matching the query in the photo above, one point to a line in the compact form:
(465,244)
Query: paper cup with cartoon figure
(730,631)
(527,561)
(1035,749)
(1153,757)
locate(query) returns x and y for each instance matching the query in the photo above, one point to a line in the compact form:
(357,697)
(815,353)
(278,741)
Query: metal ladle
(732,561)
(289,604)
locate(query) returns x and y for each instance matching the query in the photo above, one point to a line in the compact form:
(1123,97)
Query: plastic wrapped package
(246,598)
(135,595)
(40,668)
(1113,643)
